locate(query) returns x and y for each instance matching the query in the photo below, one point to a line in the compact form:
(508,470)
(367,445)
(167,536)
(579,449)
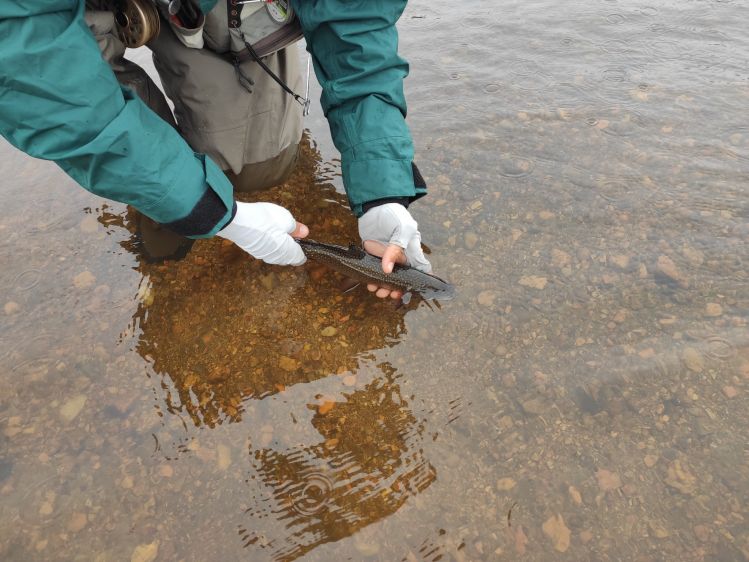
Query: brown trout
(360,266)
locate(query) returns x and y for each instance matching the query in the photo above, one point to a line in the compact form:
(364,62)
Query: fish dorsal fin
(356,251)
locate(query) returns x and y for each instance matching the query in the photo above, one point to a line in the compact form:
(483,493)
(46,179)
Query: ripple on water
(513,166)
(616,46)
(617,74)
(27,280)
(617,122)
(526,74)
(314,495)
(736,142)
(719,348)
(479,20)
(613,189)
(48,214)
(667,49)
(616,19)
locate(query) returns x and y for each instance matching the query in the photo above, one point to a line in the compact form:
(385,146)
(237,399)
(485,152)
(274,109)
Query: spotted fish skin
(357,264)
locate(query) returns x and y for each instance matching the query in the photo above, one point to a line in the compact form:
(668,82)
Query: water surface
(585,397)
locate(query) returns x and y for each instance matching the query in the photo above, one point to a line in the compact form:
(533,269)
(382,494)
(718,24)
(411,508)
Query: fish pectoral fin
(406,298)
(348,284)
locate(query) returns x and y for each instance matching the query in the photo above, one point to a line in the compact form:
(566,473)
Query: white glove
(391,223)
(262,230)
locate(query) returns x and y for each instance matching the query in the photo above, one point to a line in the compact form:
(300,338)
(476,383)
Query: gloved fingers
(390,223)
(263,231)
(279,217)
(415,255)
(404,226)
(278,249)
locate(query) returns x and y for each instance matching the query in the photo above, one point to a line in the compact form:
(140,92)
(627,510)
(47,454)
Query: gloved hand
(396,233)
(265,231)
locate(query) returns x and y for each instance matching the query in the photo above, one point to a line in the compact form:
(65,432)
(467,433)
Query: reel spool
(136,21)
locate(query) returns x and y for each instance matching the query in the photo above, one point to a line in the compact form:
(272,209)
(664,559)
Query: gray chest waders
(269,26)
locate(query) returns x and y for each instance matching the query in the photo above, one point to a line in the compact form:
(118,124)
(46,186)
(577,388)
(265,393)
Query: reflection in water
(367,465)
(256,331)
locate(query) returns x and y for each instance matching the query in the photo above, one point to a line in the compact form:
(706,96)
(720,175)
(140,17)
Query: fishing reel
(137,21)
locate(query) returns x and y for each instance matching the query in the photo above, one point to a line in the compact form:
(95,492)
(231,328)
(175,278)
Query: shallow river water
(586,397)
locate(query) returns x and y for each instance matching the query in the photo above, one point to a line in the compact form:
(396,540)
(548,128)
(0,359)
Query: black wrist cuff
(405,201)
(204,217)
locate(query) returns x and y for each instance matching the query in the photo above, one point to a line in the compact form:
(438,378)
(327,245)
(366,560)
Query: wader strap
(302,101)
(233,10)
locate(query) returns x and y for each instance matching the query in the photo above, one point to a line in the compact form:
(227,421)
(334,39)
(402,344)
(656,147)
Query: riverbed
(586,396)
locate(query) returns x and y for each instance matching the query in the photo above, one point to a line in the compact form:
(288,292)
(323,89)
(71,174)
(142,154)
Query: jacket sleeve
(60,101)
(354,47)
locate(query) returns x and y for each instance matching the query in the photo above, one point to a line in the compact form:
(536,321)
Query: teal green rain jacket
(60,101)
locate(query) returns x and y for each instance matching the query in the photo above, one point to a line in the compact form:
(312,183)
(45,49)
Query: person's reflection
(224,327)
(369,461)
(225,331)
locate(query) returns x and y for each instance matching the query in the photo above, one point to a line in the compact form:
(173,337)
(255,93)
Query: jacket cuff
(213,210)
(416,190)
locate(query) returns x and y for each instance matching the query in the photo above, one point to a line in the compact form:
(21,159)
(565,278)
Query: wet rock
(325,407)
(658,530)
(534,406)
(702,532)
(680,478)
(650,460)
(89,224)
(575,495)
(329,332)
(11,307)
(694,256)
(620,261)
(560,258)
(224,456)
(287,363)
(84,280)
(557,531)
(505,484)
(521,540)
(70,410)
(470,239)
(713,309)
(730,391)
(77,522)
(145,552)
(608,480)
(666,267)
(505,422)
(486,298)
(693,359)
(534,282)
(269,281)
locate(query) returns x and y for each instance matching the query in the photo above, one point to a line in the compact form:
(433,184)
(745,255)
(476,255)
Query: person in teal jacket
(60,100)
